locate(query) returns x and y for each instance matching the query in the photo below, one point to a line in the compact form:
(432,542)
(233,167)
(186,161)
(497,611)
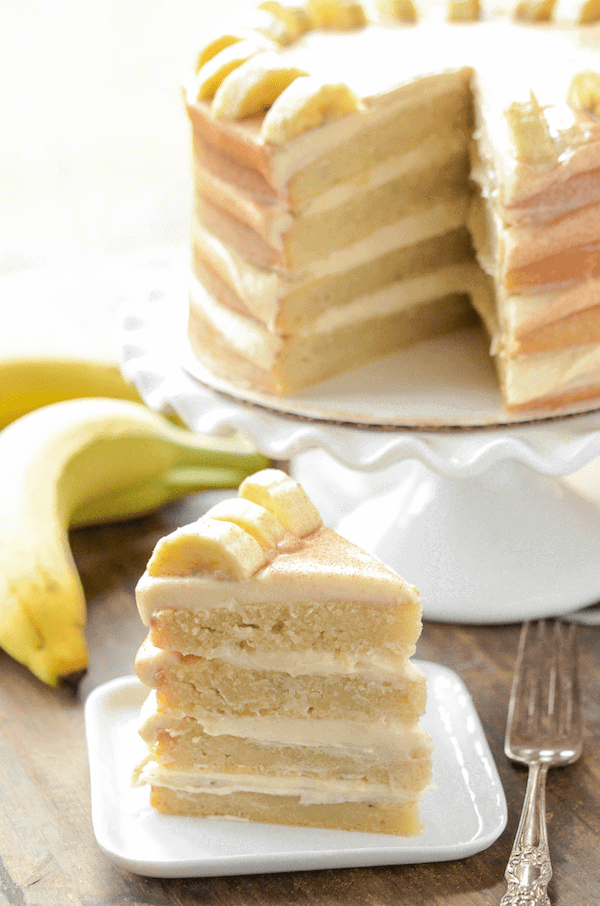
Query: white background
(94,142)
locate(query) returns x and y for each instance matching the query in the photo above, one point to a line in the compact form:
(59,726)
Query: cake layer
(558,251)
(443,213)
(309,790)
(367,817)
(266,631)
(283,367)
(245,195)
(399,754)
(286,304)
(564,267)
(201,687)
(296,245)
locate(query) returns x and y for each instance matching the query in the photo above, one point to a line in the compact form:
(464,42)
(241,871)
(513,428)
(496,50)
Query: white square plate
(464,814)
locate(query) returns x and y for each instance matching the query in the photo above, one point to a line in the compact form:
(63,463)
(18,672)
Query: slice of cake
(333,192)
(278,658)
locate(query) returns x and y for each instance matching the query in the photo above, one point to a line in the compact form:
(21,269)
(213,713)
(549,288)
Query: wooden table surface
(49,856)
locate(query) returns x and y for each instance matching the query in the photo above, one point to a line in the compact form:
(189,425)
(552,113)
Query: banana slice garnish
(251,88)
(584,91)
(306,104)
(254,519)
(215,70)
(530,134)
(401,10)
(337,14)
(285,498)
(208,547)
(294,15)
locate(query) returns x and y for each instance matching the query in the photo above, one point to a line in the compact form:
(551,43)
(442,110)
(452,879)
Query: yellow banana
(77,461)
(212,74)
(252,87)
(284,498)
(29,383)
(305,104)
(232,539)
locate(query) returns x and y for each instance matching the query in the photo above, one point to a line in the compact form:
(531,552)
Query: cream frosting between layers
(309,791)
(434,220)
(274,298)
(377,741)
(381,666)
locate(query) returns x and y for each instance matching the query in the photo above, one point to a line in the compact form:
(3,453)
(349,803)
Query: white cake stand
(494,520)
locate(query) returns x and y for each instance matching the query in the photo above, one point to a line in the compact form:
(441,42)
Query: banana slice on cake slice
(284,498)
(254,519)
(233,539)
(209,547)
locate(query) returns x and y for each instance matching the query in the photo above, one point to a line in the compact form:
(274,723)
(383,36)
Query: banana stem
(222,453)
(148,496)
(196,463)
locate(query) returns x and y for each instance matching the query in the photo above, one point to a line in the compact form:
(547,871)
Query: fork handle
(529,868)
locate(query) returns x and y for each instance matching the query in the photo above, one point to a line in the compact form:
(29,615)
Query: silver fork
(544,730)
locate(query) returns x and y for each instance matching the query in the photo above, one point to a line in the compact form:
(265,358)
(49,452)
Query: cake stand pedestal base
(506,543)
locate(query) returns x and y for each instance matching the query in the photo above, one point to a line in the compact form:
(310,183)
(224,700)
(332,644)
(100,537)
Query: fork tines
(545,692)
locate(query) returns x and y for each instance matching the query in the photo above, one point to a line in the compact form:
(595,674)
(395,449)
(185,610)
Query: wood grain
(48,853)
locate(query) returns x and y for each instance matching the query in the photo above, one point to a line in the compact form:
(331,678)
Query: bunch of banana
(79,462)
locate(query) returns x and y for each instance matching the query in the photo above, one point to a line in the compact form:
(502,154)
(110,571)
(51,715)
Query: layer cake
(364,181)
(278,659)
